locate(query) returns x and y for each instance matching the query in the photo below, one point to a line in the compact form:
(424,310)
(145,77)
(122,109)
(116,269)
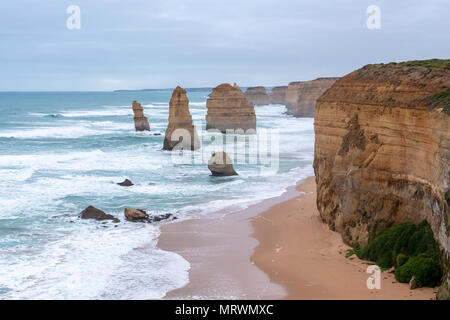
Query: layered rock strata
(301,97)
(180,131)
(278,95)
(140,121)
(229,109)
(382,152)
(257,95)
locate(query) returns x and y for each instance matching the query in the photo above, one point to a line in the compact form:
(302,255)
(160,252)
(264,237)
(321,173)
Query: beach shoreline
(276,249)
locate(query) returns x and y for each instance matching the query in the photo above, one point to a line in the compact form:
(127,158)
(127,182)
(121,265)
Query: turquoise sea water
(60,152)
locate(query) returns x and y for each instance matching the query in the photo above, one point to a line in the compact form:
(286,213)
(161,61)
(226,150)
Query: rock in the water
(126,183)
(278,95)
(414,284)
(221,164)
(228,108)
(162,217)
(301,97)
(257,95)
(99,215)
(140,121)
(180,130)
(136,215)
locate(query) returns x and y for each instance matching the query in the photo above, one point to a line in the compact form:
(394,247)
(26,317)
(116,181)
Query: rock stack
(228,108)
(140,121)
(301,97)
(221,164)
(180,128)
(278,95)
(257,95)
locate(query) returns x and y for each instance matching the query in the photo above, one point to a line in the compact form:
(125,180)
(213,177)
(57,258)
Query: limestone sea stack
(382,151)
(140,121)
(301,97)
(221,164)
(228,108)
(278,95)
(180,131)
(257,95)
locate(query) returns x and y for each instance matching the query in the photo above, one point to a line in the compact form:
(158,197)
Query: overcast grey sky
(137,44)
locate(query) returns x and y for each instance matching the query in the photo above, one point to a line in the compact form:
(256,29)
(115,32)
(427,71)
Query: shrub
(401,260)
(411,248)
(426,270)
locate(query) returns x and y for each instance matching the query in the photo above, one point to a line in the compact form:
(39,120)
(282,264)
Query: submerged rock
(140,121)
(221,164)
(126,183)
(136,215)
(229,109)
(180,131)
(97,214)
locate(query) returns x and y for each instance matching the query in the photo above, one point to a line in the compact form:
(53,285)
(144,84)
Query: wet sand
(277,249)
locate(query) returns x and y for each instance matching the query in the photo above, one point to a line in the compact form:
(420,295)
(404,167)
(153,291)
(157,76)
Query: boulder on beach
(229,110)
(126,183)
(140,121)
(221,164)
(180,130)
(136,215)
(97,214)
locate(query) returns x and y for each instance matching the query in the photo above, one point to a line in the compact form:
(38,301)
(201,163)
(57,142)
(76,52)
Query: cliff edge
(382,151)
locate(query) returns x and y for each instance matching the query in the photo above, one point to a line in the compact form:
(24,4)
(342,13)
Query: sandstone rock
(140,121)
(126,183)
(414,284)
(221,164)
(301,96)
(382,151)
(257,95)
(162,217)
(180,131)
(278,95)
(94,213)
(135,215)
(228,108)
(391,270)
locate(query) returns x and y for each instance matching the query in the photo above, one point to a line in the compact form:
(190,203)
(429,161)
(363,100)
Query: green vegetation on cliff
(410,248)
(439,100)
(431,63)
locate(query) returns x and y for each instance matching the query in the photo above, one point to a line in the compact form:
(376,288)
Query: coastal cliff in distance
(229,109)
(278,95)
(257,95)
(301,97)
(382,151)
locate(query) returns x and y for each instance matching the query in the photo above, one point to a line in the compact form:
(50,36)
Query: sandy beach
(277,249)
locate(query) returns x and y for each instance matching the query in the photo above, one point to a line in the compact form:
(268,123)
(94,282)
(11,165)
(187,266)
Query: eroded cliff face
(278,95)
(382,151)
(301,97)
(180,130)
(229,109)
(257,95)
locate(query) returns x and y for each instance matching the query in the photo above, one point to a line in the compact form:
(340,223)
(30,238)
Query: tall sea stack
(257,95)
(140,121)
(382,152)
(180,128)
(228,108)
(278,95)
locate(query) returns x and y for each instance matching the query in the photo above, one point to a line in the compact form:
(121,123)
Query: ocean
(63,151)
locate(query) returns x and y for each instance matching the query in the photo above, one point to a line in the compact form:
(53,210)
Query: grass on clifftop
(410,248)
(439,100)
(431,63)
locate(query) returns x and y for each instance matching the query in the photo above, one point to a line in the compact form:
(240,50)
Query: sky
(202,43)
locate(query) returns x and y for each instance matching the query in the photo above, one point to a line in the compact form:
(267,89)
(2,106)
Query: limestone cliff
(140,121)
(257,95)
(301,97)
(278,95)
(382,151)
(180,128)
(228,108)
